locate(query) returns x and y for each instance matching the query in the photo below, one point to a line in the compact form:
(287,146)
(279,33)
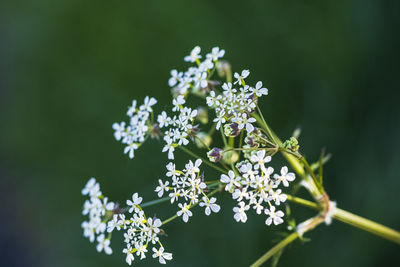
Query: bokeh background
(69,69)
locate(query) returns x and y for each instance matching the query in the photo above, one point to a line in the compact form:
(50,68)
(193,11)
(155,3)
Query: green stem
(340,215)
(354,220)
(278,247)
(154,202)
(367,225)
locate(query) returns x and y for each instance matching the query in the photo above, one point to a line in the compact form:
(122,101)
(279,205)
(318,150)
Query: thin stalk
(202,142)
(271,135)
(154,202)
(240,141)
(278,247)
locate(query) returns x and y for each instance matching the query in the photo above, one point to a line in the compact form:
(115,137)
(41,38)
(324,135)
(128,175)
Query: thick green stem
(367,225)
(338,214)
(354,220)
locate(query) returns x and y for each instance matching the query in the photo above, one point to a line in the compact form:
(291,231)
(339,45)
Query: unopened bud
(215,154)
(231,130)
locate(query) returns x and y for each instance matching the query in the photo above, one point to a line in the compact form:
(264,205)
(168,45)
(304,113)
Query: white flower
(148,103)
(285,177)
(119,130)
(219,120)
(216,53)
(260,159)
(243,121)
(162,187)
(210,205)
(104,244)
(240,212)
(258,207)
(136,200)
(175,78)
(141,250)
(200,80)
(170,148)
(277,196)
(193,169)
(154,224)
(258,90)
(161,255)
(129,256)
(91,188)
(242,76)
(131,149)
(171,170)
(114,223)
(184,211)
(163,120)
(275,217)
(178,102)
(194,54)
(131,109)
(230,180)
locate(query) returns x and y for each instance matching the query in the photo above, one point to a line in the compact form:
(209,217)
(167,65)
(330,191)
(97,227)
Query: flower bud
(215,154)
(292,144)
(231,130)
(230,157)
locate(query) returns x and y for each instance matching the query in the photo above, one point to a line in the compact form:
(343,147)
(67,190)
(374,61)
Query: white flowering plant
(232,136)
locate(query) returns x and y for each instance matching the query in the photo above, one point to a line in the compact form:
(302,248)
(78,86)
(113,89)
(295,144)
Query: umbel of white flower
(250,180)
(105,217)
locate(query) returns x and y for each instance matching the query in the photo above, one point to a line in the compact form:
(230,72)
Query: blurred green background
(69,69)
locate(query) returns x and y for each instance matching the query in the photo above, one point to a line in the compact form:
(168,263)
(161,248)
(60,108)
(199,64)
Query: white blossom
(161,188)
(136,200)
(274,216)
(184,211)
(161,255)
(194,54)
(240,77)
(216,53)
(285,176)
(210,205)
(104,244)
(240,212)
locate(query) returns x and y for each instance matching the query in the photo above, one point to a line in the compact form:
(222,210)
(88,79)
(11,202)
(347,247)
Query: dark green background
(69,69)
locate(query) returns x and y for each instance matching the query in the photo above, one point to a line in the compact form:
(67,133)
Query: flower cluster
(235,105)
(140,231)
(98,209)
(252,184)
(135,133)
(187,185)
(255,186)
(181,126)
(195,78)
